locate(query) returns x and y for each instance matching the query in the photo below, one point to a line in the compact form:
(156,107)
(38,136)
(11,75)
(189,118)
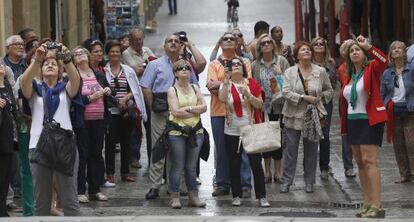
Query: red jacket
(372,82)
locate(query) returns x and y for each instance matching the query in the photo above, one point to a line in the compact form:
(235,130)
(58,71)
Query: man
(215,76)
(14,55)
(138,56)
(260,28)
(158,77)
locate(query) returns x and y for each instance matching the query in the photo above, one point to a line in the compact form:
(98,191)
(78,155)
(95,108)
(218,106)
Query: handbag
(261,137)
(56,148)
(159,102)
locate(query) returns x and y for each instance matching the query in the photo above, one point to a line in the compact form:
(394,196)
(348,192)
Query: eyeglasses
(239,35)
(17,44)
(268,42)
(231,39)
(173,41)
(183,68)
(236,64)
(319,44)
(79,52)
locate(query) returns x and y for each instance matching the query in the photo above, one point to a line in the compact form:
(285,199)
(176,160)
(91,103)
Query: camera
(52,45)
(182,36)
(228,64)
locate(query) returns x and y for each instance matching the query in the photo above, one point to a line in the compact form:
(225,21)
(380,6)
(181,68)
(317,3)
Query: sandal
(278,180)
(268,179)
(363,210)
(403,180)
(374,212)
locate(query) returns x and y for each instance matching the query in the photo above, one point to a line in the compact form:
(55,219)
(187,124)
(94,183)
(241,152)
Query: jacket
(387,85)
(372,82)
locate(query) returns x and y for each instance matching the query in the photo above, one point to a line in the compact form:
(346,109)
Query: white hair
(12,39)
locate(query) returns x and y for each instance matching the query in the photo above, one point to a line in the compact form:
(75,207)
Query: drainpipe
(298,21)
(306,21)
(322,17)
(312,25)
(331,22)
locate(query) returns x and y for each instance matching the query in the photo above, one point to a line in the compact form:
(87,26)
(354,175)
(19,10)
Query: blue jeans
(135,145)
(245,172)
(222,177)
(182,157)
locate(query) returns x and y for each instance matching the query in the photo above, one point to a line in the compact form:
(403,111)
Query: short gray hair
(12,39)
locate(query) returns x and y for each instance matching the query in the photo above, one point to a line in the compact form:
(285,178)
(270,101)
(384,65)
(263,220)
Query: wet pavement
(338,197)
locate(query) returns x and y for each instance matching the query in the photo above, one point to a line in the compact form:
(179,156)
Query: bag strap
(46,111)
(303,82)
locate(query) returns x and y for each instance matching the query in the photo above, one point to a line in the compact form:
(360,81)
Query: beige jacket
(318,85)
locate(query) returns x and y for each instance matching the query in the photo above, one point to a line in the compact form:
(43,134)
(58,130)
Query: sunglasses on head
(183,68)
(95,42)
(231,39)
(268,42)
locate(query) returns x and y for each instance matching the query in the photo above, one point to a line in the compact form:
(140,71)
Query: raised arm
(34,69)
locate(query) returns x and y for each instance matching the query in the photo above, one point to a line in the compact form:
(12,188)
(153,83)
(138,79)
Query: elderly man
(138,56)
(158,77)
(14,55)
(215,76)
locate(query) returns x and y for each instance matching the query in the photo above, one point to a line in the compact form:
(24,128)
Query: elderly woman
(186,104)
(8,138)
(303,84)
(94,88)
(125,83)
(242,96)
(268,69)
(398,95)
(322,58)
(58,98)
(362,118)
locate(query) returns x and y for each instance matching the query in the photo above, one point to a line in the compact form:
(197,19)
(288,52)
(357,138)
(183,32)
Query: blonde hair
(259,46)
(350,66)
(326,54)
(391,61)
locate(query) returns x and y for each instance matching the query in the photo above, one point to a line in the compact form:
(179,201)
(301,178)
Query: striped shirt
(120,85)
(95,109)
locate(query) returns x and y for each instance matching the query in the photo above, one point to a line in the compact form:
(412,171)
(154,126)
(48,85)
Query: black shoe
(309,188)
(220,191)
(284,188)
(170,13)
(152,194)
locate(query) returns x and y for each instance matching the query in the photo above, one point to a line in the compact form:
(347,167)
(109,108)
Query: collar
(406,68)
(274,60)
(9,63)
(132,51)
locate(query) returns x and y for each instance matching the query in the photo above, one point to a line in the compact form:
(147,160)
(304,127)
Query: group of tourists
(132,94)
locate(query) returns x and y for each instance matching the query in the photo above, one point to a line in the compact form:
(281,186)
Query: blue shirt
(159,76)
(387,85)
(17,69)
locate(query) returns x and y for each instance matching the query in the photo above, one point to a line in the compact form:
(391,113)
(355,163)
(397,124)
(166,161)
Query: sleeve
(380,62)
(327,91)
(149,76)
(288,92)
(383,89)
(212,72)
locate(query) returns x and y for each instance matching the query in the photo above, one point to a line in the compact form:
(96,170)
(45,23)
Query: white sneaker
(108,184)
(263,202)
(82,198)
(163,181)
(236,202)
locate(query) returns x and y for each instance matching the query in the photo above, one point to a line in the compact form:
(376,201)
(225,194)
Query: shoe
(175,200)
(13,207)
(55,212)
(284,188)
(246,193)
(152,194)
(127,178)
(82,198)
(309,188)
(374,212)
(330,171)
(108,184)
(198,181)
(363,210)
(98,196)
(403,180)
(236,202)
(350,173)
(263,202)
(135,164)
(268,179)
(117,148)
(220,191)
(170,13)
(324,175)
(110,178)
(194,200)
(278,180)
(163,181)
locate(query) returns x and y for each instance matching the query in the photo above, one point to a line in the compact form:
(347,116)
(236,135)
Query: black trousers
(172,6)
(232,145)
(119,132)
(147,126)
(5,178)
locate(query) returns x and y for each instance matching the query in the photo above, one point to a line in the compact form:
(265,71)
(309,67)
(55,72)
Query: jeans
(5,175)
(26,175)
(222,177)
(325,143)
(135,145)
(183,158)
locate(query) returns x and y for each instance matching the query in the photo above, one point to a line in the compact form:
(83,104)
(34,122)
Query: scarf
(390,121)
(354,94)
(312,129)
(237,105)
(51,95)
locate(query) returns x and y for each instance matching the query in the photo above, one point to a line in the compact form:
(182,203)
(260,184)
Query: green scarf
(354,94)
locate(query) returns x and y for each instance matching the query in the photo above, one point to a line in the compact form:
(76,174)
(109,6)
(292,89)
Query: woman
(322,58)
(58,104)
(268,69)
(125,83)
(303,84)
(90,137)
(242,97)
(398,95)
(362,118)
(186,104)
(281,49)
(96,50)
(8,138)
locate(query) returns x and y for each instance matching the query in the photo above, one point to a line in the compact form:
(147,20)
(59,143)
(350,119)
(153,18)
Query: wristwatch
(301,97)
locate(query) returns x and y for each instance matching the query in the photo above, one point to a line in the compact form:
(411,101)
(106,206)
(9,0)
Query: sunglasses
(79,53)
(319,44)
(238,35)
(183,68)
(268,42)
(231,39)
(173,41)
(396,82)
(236,64)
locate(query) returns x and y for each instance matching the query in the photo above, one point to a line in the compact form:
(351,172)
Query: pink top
(95,109)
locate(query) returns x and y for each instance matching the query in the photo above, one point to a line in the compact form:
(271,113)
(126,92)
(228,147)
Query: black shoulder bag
(56,148)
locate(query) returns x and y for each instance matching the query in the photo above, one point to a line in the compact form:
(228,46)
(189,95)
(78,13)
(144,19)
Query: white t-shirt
(61,116)
(361,97)
(236,122)
(399,93)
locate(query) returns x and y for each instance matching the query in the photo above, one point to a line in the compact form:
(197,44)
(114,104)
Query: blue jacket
(387,85)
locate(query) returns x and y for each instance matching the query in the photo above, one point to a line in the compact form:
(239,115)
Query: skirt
(360,132)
